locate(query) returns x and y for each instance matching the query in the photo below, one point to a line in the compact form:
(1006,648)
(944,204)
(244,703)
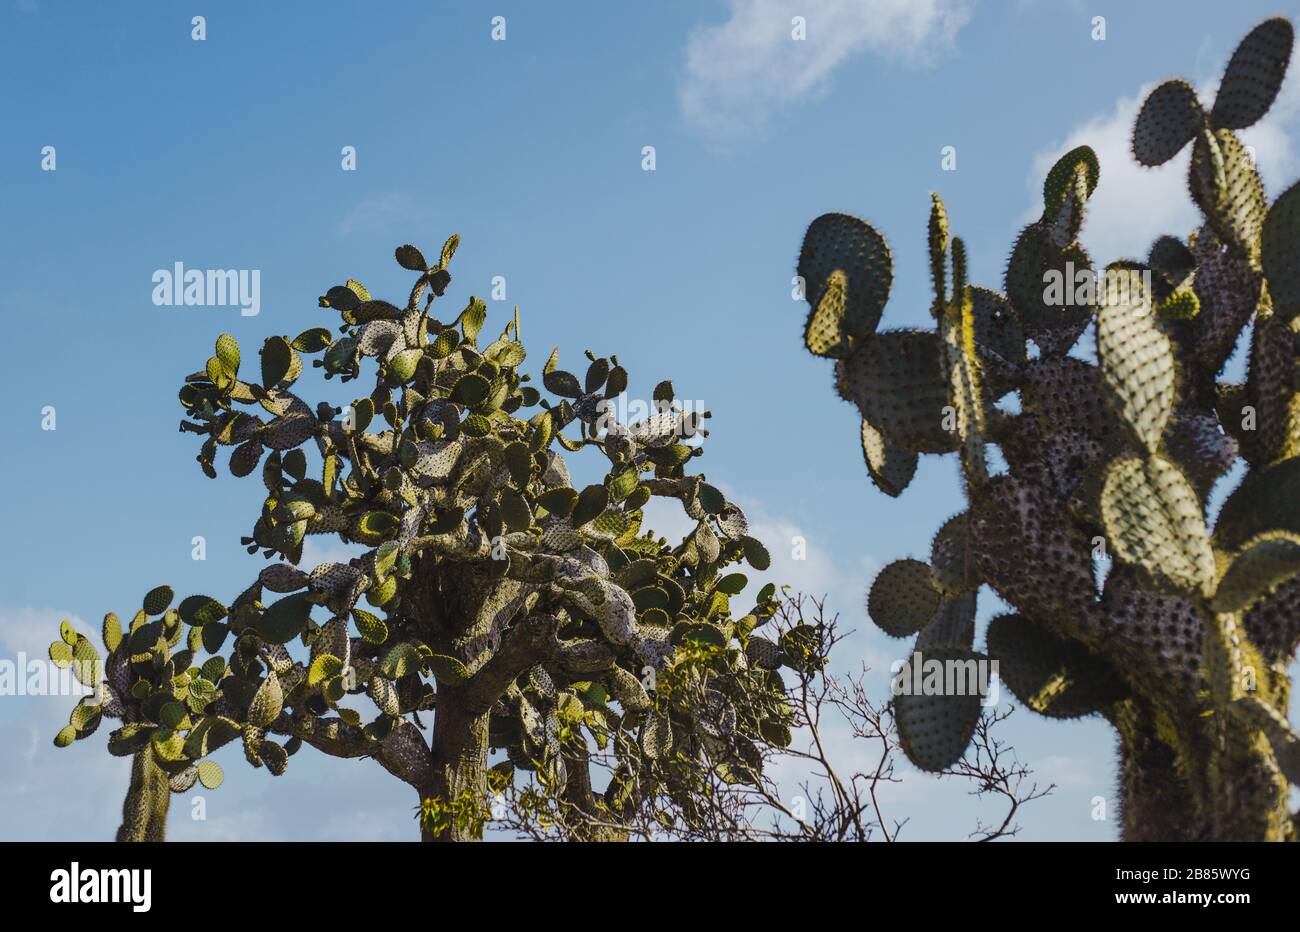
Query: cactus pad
(1153,520)
(903,598)
(1052,676)
(1254,75)
(839,242)
(891,468)
(896,381)
(935,730)
(1168,120)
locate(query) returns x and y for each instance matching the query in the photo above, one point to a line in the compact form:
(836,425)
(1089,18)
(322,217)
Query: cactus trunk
(459,779)
(144,811)
(1158,804)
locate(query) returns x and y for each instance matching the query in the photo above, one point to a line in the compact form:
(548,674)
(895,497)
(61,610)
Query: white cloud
(741,71)
(32,629)
(322,548)
(1133,205)
(1070,771)
(378,213)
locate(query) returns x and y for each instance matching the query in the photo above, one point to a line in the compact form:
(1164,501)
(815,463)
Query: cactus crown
(1185,645)
(494,587)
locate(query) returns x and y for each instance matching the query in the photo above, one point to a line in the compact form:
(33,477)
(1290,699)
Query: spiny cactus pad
(1168,120)
(846,257)
(896,381)
(935,729)
(1254,75)
(903,598)
(1051,675)
(891,468)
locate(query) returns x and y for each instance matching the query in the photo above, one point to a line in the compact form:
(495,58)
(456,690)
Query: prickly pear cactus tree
(522,614)
(1185,644)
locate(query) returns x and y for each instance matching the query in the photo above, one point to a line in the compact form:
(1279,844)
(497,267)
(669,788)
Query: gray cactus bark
(144,811)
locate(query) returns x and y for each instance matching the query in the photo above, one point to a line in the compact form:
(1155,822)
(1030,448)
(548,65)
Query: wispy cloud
(378,213)
(32,629)
(740,72)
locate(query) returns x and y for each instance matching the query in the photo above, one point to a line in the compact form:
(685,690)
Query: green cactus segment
(999,341)
(891,468)
(111,632)
(1060,182)
(277,361)
(285,619)
(1066,190)
(61,654)
(1270,375)
(935,729)
(1053,317)
(839,242)
(938,248)
(1227,188)
(1137,358)
(1181,305)
(1029,553)
(762,653)
(824,333)
(86,664)
(903,598)
(1172,260)
(228,354)
(896,380)
(951,564)
(1052,676)
(201,610)
(1279,254)
(1254,75)
(447,670)
(210,774)
(1168,120)
(964,371)
(1153,520)
(158,600)
(1263,564)
(370,627)
(385,696)
(628,690)
(1286,744)
(267,702)
(953,625)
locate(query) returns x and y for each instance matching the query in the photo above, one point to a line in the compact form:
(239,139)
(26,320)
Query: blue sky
(225,153)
